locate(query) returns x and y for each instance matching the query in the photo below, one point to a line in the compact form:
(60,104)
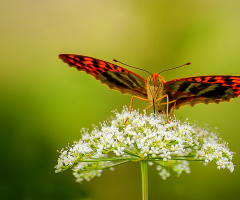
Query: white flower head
(134,137)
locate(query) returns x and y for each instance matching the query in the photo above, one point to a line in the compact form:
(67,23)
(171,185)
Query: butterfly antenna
(131,66)
(175,67)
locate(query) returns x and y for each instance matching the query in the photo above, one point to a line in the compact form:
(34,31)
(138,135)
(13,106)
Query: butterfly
(163,96)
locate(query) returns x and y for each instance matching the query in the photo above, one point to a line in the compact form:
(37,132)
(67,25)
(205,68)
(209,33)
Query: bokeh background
(44,103)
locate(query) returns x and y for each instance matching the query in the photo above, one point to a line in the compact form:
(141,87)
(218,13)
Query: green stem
(186,159)
(130,153)
(107,159)
(144,171)
(117,164)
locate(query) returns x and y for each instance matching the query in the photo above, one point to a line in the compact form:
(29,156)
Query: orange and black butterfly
(163,96)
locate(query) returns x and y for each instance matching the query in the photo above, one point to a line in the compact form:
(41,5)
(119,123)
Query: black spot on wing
(218,92)
(235,90)
(125,79)
(98,70)
(212,79)
(107,77)
(124,82)
(194,90)
(108,67)
(197,88)
(95,63)
(183,87)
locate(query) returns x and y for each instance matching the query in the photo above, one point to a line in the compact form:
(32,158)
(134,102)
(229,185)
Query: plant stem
(144,171)
(108,159)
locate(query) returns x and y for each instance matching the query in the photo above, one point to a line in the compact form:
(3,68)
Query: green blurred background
(44,103)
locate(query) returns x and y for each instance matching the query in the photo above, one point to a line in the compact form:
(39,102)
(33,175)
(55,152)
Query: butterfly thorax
(155,86)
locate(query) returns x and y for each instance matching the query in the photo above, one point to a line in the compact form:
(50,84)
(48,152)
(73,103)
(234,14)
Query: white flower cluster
(135,137)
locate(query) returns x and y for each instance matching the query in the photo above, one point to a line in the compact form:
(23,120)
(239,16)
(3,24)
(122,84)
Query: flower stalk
(144,171)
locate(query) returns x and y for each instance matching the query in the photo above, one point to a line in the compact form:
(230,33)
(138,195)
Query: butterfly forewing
(114,76)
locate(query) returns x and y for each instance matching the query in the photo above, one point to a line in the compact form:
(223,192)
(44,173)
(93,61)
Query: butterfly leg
(149,101)
(148,107)
(131,104)
(161,97)
(165,103)
(174,106)
(157,101)
(130,110)
(167,107)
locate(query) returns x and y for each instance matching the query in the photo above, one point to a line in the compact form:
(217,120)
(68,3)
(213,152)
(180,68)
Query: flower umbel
(169,146)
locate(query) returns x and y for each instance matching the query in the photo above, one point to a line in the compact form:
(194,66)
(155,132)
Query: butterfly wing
(202,89)
(115,77)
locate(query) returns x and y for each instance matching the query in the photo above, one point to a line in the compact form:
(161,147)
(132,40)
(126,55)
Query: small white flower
(135,136)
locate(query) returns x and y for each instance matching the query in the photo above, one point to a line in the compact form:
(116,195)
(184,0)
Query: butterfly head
(155,86)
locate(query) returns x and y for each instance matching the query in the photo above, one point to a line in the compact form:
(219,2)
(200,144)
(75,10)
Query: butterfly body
(162,95)
(155,86)
(155,89)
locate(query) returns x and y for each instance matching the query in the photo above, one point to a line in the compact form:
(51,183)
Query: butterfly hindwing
(202,89)
(114,76)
